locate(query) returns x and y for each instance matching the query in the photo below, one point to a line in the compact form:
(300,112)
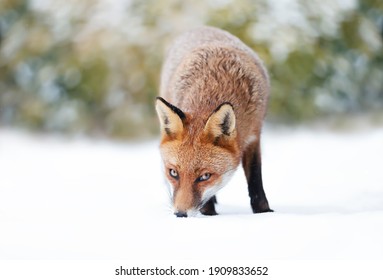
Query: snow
(96,199)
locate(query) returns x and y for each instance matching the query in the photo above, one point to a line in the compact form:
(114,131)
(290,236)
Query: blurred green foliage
(93,66)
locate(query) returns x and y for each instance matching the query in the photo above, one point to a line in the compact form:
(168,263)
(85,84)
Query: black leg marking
(209,207)
(257,194)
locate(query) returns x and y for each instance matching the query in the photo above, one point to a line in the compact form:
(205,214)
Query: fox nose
(181,214)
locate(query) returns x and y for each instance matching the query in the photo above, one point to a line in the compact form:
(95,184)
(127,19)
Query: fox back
(214,92)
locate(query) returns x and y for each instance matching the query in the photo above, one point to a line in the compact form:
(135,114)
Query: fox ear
(221,122)
(170,118)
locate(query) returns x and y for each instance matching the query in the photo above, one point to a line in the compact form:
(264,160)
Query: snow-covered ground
(87,199)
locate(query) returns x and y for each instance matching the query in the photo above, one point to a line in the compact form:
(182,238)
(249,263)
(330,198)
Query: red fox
(214,92)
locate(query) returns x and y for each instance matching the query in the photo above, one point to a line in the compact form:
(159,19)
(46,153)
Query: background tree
(93,66)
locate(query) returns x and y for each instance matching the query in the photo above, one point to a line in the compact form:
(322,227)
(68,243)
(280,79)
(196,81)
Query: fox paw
(260,206)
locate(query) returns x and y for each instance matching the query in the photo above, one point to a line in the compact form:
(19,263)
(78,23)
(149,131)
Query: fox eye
(173,173)
(204,177)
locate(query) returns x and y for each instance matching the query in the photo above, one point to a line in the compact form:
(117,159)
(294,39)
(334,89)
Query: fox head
(199,153)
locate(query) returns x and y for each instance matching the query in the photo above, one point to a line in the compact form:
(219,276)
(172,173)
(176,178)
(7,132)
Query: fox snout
(205,207)
(185,203)
(204,204)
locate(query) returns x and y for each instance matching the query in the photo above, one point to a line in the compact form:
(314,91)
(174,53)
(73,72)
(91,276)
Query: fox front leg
(252,166)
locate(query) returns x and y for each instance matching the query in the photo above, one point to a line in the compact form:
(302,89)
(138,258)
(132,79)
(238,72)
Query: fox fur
(213,97)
